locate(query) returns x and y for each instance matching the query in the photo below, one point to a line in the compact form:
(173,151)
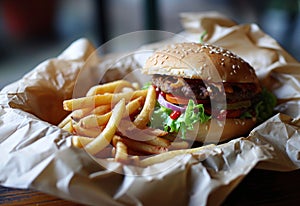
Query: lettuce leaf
(265,107)
(193,114)
(146,85)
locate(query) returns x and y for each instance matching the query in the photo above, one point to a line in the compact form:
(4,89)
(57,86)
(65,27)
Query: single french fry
(102,109)
(115,139)
(80,141)
(121,154)
(158,141)
(143,117)
(65,121)
(100,99)
(134,105)
(143,147)
(142,135)
(68,127)
(179,145)
(171,154)
(80,113)
(111,87)
(94,120)
(156,132)
(136,85)
(90,132)
(109,131)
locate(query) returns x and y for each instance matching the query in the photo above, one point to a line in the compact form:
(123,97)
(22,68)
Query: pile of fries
(111,121)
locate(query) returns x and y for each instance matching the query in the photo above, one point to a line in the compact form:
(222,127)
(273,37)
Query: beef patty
(196,88)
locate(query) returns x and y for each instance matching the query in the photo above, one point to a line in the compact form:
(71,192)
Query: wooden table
(258,188)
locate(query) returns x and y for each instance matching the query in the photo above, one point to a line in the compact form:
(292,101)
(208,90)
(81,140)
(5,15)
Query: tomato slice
(181,100)
(175,114)
(176,99)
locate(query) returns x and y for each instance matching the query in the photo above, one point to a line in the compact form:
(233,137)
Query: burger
(206,92)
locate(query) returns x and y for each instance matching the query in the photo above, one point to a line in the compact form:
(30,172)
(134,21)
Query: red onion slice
(161,100)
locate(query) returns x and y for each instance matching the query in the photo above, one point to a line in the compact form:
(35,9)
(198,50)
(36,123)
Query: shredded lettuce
(146,85)
(264,108)
(202,35)
(193,114)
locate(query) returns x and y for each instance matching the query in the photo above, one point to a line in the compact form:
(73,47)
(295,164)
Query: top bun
(200,61)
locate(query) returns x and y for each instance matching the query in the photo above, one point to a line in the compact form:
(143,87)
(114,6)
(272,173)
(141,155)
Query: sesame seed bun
(214,131)
(200,61)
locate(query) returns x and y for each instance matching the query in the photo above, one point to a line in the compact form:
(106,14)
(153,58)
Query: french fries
(100,99)
(121,154)
(90,132)
(143,118)
(169,155)
(111,87)
(95,120)
(107,134)
(138,146)
(111,122)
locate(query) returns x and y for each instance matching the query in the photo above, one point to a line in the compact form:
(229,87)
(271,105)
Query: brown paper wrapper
(37,154)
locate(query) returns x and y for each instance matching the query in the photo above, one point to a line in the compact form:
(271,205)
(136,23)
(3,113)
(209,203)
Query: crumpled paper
(37,154)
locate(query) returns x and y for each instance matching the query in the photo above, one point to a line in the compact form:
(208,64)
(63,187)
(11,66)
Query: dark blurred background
(34,30)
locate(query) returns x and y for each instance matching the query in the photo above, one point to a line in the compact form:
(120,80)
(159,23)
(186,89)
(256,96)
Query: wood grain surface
(260,187)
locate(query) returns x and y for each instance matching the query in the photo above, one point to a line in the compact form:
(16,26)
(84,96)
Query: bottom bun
(215,131)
